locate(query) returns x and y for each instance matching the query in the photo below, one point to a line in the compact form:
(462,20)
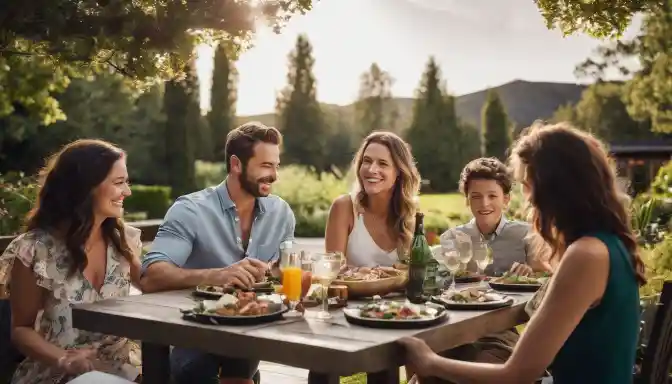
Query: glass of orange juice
(290,266)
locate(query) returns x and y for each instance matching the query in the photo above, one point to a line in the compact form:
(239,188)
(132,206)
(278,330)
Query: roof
(642,146)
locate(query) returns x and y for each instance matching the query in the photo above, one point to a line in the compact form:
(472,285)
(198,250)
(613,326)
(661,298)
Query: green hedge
(154,200)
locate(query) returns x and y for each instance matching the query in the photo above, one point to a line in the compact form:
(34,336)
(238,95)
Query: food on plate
(337,295)
(470,296)
(368,273)
(518,279)
(240,304)
(465,273)
(394,310)
(219,289)
(212,288)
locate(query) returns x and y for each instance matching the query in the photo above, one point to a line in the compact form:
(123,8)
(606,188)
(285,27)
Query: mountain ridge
(525,101)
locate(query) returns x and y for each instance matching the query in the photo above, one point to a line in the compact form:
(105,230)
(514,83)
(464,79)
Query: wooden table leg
(155,363)
(388,376)
(323,378)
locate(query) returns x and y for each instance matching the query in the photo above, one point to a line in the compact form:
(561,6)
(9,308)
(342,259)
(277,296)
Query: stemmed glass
(482,255)
(290,266)
(450,258)
(456,251)
(464,246)
(326,267)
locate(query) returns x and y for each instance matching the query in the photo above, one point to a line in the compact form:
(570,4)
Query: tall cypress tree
(223,96)
(375,108)
(495,130)
(181,106)
(435,134)
(299,115)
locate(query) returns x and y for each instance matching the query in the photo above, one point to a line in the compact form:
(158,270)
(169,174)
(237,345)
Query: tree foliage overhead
(299,113)
(44,42)
(141,38)
(648,92)
(599,18)
(375,108)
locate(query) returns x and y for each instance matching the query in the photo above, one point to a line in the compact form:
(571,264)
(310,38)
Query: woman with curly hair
(587,323)
(374,224)
(76,249)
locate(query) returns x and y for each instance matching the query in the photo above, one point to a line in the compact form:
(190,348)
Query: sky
(477,43)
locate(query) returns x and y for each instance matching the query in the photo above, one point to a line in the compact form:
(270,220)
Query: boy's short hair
(486,168)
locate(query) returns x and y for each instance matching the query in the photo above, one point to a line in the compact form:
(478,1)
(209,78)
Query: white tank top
(362,251)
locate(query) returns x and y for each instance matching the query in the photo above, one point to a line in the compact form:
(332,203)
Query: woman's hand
(419,356)
(77,361)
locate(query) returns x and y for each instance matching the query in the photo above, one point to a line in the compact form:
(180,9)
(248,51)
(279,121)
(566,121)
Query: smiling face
(261,170)
(110,194)
(487,201)
(377,172)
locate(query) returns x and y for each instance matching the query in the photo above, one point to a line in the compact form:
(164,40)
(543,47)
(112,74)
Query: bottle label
(416,279)
(431,283)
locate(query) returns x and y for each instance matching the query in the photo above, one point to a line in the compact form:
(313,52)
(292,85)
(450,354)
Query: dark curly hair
(573,188)
(486,168)
(64,206)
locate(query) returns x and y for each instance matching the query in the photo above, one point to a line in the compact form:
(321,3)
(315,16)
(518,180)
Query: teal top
(602,347)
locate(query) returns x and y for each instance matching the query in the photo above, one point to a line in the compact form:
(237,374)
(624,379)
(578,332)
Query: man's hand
(521,269)
(242,274)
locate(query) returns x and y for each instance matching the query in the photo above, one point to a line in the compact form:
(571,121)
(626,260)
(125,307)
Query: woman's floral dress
(48,258)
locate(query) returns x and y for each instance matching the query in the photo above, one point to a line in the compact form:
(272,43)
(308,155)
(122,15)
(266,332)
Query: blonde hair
(406,187)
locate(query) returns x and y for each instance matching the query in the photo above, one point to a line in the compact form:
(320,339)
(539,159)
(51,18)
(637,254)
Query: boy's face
(487,200)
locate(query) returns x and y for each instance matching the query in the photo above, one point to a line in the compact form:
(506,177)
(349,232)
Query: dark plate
(234,320)
(473,306)
(353,317)
(514,287)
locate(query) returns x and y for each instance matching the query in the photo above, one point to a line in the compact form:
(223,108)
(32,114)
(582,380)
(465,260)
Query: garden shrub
(209,174)
(153,200)
(17,196)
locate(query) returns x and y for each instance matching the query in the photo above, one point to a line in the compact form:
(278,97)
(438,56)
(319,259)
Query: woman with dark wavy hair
(586,326)
(76,249)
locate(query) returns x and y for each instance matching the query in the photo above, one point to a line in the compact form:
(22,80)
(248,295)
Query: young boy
(486,184)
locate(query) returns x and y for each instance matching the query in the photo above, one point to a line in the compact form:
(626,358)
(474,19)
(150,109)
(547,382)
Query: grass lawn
(447,203)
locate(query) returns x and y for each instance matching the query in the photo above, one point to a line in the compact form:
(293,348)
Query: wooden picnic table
(327,349)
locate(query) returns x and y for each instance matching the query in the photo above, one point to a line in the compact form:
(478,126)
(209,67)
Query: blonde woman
(374,223)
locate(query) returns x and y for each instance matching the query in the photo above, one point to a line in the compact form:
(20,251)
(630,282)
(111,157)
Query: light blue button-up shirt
(202,230)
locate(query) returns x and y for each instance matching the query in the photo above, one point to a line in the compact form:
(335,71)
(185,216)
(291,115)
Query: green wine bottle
(417,264)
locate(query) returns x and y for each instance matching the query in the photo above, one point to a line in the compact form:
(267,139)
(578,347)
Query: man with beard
(223,235)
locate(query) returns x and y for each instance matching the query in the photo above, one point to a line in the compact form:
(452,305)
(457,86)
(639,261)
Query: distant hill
(525,101)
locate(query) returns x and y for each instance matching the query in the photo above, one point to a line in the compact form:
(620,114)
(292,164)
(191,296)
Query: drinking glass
(482,255)
(290,266)
(450,258)
(464,246)
(326,267)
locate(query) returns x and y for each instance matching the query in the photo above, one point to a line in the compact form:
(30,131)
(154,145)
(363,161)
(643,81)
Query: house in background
(638,162)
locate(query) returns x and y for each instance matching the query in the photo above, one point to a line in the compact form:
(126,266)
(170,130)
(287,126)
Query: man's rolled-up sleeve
(174,240)
(291,225)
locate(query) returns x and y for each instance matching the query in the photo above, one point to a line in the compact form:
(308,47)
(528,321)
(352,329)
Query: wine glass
(449,256)
(464,246)
(482,255)
(326,267)
(290,266)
